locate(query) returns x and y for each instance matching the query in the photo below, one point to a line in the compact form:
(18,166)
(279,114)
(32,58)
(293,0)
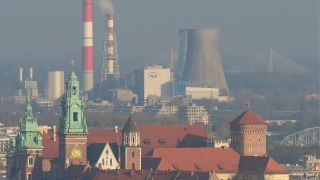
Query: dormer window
(146,141)
(162,141)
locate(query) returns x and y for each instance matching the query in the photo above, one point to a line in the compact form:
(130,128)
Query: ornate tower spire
(73,119)
(73,130)
(29,149)
(29,136)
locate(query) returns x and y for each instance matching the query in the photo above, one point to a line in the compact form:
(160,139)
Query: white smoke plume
(106,6)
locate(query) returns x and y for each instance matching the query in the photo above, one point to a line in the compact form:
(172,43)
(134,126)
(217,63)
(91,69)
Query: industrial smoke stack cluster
(202,61)
(87,50)
(110,65)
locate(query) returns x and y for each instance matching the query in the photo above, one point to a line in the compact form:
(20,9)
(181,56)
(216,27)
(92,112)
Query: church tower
(28,149)
(248,134)
(73,131)
(131,150)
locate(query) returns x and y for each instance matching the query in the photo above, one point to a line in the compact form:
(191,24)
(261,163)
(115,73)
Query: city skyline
(246,28)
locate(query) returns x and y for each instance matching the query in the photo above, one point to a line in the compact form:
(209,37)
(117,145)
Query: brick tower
(28,149)
(131,150)
(73,131)
(248,134)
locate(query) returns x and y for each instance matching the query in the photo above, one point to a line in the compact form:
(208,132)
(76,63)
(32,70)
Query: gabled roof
(130,126)
(248,117)
(94,152)
(169,136)
(155,136)
(104,136)
(220,160)
(151,136)
(260,165)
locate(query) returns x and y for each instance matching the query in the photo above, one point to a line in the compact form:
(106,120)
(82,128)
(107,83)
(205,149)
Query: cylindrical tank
(203,66)
(55,85)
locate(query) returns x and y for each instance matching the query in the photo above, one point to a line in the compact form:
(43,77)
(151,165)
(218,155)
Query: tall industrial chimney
(31,73)
(87,51)
(110,64)
(20,74)
(203,66)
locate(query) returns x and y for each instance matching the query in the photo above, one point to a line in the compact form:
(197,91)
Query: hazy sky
(51,31)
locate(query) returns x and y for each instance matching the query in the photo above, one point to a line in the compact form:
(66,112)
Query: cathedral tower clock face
(76,152)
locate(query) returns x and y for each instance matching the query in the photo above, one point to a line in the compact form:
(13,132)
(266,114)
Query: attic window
(146,141)
(162,141)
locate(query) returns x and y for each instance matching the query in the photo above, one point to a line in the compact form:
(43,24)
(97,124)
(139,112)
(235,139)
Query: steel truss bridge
(306,137)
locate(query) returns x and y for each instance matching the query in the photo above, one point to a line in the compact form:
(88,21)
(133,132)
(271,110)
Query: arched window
(133,139)
(132,154)
(102,162)
(133,166)
(110,161)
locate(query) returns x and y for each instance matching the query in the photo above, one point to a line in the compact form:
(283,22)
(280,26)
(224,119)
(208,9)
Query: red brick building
(248,134)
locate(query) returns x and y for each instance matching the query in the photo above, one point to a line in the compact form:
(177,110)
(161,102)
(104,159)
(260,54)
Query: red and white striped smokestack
(110,22)
(87,51)
(110,42)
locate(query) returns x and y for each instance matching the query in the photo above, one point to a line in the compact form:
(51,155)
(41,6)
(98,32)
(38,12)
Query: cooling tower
(55,85)
(182,53)
(203,66)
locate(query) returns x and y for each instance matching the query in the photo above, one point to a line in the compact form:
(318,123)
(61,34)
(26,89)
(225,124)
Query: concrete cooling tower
(203,66)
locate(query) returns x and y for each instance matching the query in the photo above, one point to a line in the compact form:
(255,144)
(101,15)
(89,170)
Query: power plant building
(150,81)
(27,87)
(198,93)
(55,85)
(201,58)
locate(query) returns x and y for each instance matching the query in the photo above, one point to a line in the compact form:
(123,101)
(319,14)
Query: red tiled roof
(51,147)
(258,164)
(167,136)
(104,136)
(156,163)
(274,168)
(224,160)
(97,174)
(152,136)
(248,117)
